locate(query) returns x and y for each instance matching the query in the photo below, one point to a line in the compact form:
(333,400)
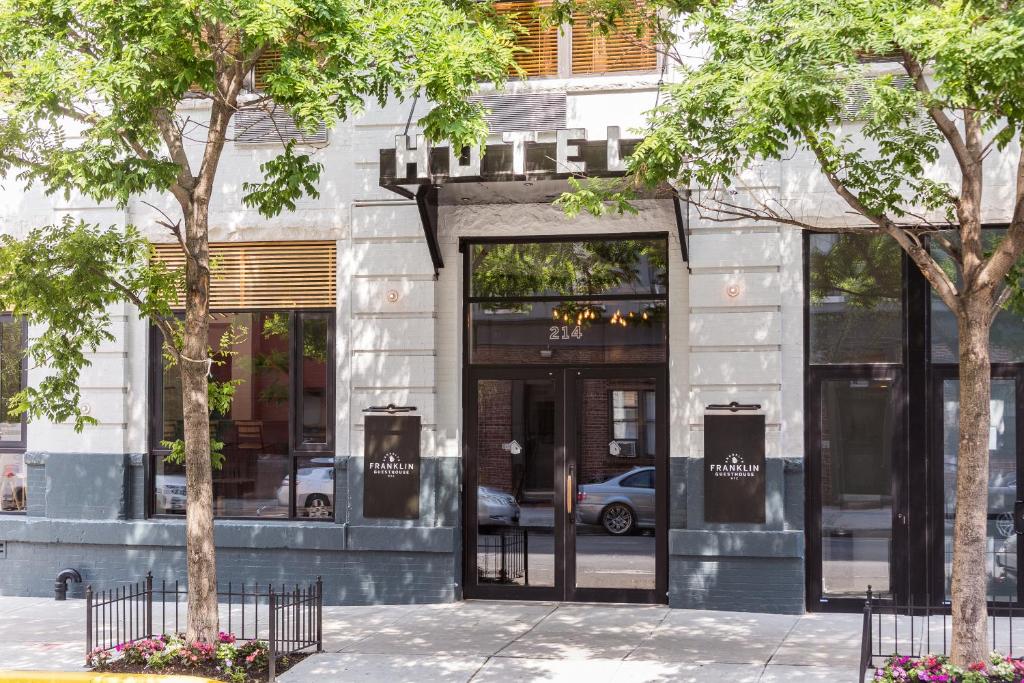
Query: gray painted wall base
(350,577)
(737,584)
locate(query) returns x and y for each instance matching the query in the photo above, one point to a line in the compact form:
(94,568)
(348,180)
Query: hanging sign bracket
(390,409)
(734,407)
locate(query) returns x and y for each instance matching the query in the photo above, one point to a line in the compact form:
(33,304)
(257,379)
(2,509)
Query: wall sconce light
(732,291)
(391,296)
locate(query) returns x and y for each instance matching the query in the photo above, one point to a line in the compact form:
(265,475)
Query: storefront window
(280,365)
(13,475)
(1001,541)
(856,305)
(1007,336)
(599,301)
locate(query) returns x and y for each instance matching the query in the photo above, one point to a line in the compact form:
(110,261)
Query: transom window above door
(568,301)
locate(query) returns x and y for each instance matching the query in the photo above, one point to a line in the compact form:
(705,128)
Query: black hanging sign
(391,475)
(734,476)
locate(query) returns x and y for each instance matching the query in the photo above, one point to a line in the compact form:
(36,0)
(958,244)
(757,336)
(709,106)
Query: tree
(90,92)
(906,108)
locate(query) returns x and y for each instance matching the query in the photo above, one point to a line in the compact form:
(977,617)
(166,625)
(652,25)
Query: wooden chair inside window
(250,435)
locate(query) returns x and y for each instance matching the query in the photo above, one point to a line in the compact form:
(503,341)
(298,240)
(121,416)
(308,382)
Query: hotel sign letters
(509,156)
(734,469)
(391,472)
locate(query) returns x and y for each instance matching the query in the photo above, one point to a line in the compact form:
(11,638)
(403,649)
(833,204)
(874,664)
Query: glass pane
(569,332)
(570,269)
(855,299)
(625,430)
(169,484)
(515,453)
(1007,337)
(314,410)
(858,424)
(251,351)
(1001,563)
(12,348)
(13,487)
(615,501)
(314,492)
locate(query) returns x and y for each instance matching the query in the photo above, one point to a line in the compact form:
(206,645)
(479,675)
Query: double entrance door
(565,484)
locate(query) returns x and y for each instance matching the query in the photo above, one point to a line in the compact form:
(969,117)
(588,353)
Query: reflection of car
(315,490)
(1002,493)
(170,492)
(622,504)
(1006,562)
(495,508)
(12,482)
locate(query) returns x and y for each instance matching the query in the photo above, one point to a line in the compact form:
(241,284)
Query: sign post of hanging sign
(391,474)
(734,469)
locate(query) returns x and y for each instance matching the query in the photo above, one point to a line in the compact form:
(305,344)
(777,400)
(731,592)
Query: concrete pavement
(483,641)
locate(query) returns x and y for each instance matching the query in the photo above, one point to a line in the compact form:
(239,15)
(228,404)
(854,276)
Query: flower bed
(935,669)
(228,660)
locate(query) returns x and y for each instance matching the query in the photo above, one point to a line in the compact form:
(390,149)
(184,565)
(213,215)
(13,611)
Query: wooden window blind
(622,50)
(542,44)
(260,275)
(267,63)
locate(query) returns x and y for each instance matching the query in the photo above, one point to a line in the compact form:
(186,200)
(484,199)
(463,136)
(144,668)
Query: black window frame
(918,575)
(466,245)
(296,449)
(21,445)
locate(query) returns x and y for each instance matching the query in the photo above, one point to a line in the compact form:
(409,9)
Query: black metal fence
(501,555)
(917,630)
(289,619)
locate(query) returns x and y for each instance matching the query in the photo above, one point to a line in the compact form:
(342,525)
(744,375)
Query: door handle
(570,495)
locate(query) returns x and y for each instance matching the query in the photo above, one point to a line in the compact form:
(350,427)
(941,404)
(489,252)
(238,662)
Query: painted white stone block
(393,334)
(734,367)
(727,328)
(385,370)
(391,296)
(734,250)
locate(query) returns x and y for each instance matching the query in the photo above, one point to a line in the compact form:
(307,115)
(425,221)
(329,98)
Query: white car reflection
(314,491)
(495,508)
(170,493)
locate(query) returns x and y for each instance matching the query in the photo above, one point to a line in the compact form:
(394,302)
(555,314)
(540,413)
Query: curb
(88,677)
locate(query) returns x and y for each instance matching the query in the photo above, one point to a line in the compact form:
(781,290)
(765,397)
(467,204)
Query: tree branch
(171,135)
(162,323)
(938,279)
(1011,248)
(173,226)
(945,124)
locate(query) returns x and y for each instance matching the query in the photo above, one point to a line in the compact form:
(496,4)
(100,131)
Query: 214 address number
(556,332)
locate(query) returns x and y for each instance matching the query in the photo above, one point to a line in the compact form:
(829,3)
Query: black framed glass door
(565,487)
(857,511)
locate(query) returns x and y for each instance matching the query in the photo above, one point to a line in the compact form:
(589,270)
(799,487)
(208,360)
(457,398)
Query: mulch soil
(205,671)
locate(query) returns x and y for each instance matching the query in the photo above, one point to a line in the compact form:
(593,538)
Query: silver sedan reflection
(495,508)
(622,504)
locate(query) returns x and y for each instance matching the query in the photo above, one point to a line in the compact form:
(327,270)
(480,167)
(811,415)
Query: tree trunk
(970,528)
(199,538)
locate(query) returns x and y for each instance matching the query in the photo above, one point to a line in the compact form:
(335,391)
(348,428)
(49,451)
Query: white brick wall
(399,331)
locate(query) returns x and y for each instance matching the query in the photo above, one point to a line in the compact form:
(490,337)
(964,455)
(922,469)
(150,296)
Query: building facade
(575,382)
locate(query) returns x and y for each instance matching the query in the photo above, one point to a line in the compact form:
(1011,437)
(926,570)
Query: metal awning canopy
(520,169)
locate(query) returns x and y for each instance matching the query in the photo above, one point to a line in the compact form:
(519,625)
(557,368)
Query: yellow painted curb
(88,677)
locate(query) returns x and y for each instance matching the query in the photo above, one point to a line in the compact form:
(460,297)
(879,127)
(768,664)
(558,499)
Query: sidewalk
(509,641)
